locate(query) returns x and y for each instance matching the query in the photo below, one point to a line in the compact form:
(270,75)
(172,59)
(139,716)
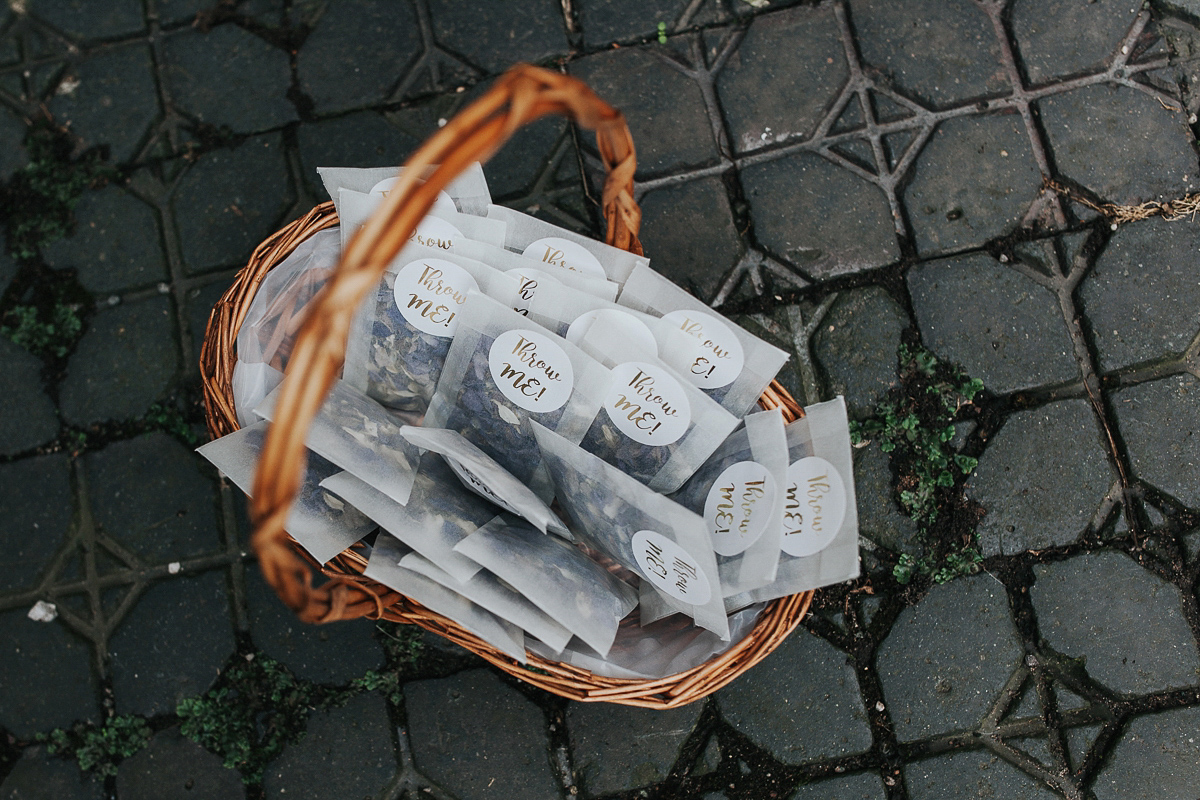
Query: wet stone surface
(36,504)
(42,656)
(88,20)
(1068,37)
(41,776)
(172,766)
(29,419)
(364,139)
(863,786)
(857,345)
(879,516)
(1159,750)
(495,37)
(617,747)
(1161,425)
(971,774)
(1136,642)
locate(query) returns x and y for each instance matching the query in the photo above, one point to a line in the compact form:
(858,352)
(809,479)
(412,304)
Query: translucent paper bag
(468,192)
(551,244)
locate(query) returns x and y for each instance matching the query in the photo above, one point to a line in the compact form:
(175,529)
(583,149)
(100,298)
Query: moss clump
(99,748)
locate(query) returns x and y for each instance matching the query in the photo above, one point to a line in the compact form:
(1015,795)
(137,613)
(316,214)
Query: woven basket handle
(521,95)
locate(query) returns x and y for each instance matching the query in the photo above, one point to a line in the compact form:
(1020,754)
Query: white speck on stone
(43,612)
(164,288)
(879,706)
(1113,226)
(1125,49)
(113,300)
(67,85)
(442,122)
(1192,119)
(174,567)
(1003,258)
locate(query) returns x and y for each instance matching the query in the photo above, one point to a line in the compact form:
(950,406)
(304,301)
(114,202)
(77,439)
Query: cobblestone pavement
(843,176)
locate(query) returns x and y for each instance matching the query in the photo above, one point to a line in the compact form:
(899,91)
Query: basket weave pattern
(522,95)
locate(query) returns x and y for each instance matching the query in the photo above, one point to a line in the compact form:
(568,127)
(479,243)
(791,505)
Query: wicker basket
(519,97)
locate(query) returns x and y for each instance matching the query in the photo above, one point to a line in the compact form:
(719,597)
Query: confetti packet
(510,262)
(468,193)
(556,577)
(440,228)
(730,364)
(322,523)
(665,544)
(551,244)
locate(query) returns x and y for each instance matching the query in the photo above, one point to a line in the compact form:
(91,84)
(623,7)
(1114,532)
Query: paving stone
(172,644)
(857,345)
(116,100)
(12,156)
(150,494)
(339,65)
(8,267)
(347,753)
(231,200)
(29,417)
(1157,750)
(1120,143)
(1068,37)
(663,107)
(36,506)
(689,234)
(943,53)
(787,198)
(177,12)
(1160,423)
(879,517)
(48,681)
(122,364)
(800,703)
(361,139)
(1142,297)
(495,37)
(1135,641)
(1041,479)
(1079,741)
(174,766)
(969,774)
(998,325)
(333,654)
(87,20)
(863,786)
(946,659)
(229,77)
(518,165)
(116,244)
(37,775)
(783,78)
(605,21)
(618,747)
(949,213)
(478,738)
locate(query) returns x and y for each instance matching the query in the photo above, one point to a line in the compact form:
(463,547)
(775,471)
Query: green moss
(100,748)
(51,332)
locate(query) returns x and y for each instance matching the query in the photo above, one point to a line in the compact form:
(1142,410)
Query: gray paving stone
(29,417)
(48,681)
(151,495)
(173,766)
(518,165)
(1041,479)
(949,213)
(618,747)
(943,53)
(497,36)
(971,774)
(116,244)
(1079,741)
(857,344)
(1142,298)
(689,234)
(863,786)
(783,78)
(946,659)
(334,654)
(122,364)
(1157,750)
(37,775)
(1160,423)
(477,738)
(787,198)
(8,267)
(605,21)
(663,107)
(36,506)
(87,20)
(1068,37)
(346,753)
(172,644)
(339,65)
(361,139)
(1134,641)
(229,77)
(879,517)
(12,154)
(116,100)
(998,325)
(800,703)
(229,201)
(176,12)
(1120,143)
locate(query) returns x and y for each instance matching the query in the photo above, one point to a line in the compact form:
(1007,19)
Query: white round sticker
(712,356)
(435,232)
(629,324)
(738,507)
(443,202)
(564,253)
(647,404)
(429,292)
(531,370)
(529,280)
(669,567)
(814,507)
